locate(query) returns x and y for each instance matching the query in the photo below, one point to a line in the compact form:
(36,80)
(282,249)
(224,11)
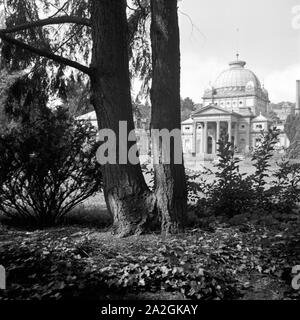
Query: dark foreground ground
(244,262)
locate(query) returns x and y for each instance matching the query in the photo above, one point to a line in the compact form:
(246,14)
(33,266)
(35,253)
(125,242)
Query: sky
(268,40)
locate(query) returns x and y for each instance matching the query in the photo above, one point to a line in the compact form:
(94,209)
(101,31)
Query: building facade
(236,105)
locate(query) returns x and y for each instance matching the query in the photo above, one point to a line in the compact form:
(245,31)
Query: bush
(261,157)
(47,167)
(197,186)
(233,194)
(292,130)
(285,191)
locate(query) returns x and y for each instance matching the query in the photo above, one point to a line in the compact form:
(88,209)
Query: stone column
(218,135)
(248,134)
(194,147)
(229,130)
(236,135)
(218,131)
(204,142)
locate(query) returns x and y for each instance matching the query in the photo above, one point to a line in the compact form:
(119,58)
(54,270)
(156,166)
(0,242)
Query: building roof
(237,81)
(214,109)
(261,118)
(188,121)
(236,77)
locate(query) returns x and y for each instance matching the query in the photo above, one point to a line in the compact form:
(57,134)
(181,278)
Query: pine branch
(45,53)
(49,21)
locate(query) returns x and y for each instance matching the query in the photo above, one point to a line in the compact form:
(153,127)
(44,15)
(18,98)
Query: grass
(91,213)
(89,216)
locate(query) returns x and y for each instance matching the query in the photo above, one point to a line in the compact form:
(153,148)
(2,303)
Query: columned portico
(209,127)
(211,134)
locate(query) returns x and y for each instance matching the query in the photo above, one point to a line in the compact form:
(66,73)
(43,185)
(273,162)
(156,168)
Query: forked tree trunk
(170,189)
(127,195)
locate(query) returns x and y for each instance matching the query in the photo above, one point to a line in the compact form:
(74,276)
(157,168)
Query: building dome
(237,78)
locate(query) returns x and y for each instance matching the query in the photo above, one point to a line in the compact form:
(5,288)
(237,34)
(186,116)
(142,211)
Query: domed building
(236,104)
(238,87)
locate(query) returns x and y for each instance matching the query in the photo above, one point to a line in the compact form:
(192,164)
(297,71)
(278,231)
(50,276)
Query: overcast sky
(267,40)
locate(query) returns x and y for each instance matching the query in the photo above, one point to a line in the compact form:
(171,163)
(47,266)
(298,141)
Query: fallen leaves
(62,263)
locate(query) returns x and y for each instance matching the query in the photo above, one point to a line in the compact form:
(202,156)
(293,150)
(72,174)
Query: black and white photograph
(149,154)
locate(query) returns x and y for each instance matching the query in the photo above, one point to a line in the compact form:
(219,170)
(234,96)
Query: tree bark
(170,188)
(127,195)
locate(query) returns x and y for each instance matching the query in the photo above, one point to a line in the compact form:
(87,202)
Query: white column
(229,130)
(236,134)
(204,137)
(217,136)
(218,131)
(248,145)
(194,137)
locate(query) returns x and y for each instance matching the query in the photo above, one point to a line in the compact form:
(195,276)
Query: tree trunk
(127,195)
(170,188)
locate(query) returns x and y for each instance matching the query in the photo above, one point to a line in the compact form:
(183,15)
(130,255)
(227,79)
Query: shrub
(261,157)
(292,130)
(285,190)
(47,167)
(197,186)
(231,193)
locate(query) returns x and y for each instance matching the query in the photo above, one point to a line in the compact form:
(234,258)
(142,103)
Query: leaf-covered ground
(244,262)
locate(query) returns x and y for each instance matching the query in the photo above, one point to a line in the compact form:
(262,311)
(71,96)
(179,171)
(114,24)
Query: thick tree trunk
(170,189)
(127,195)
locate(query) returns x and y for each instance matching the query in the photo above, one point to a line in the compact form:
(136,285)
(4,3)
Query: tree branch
(49,21)
(45,53)
(59,9)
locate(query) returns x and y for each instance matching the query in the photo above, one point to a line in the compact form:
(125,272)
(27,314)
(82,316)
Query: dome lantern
(237,64)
